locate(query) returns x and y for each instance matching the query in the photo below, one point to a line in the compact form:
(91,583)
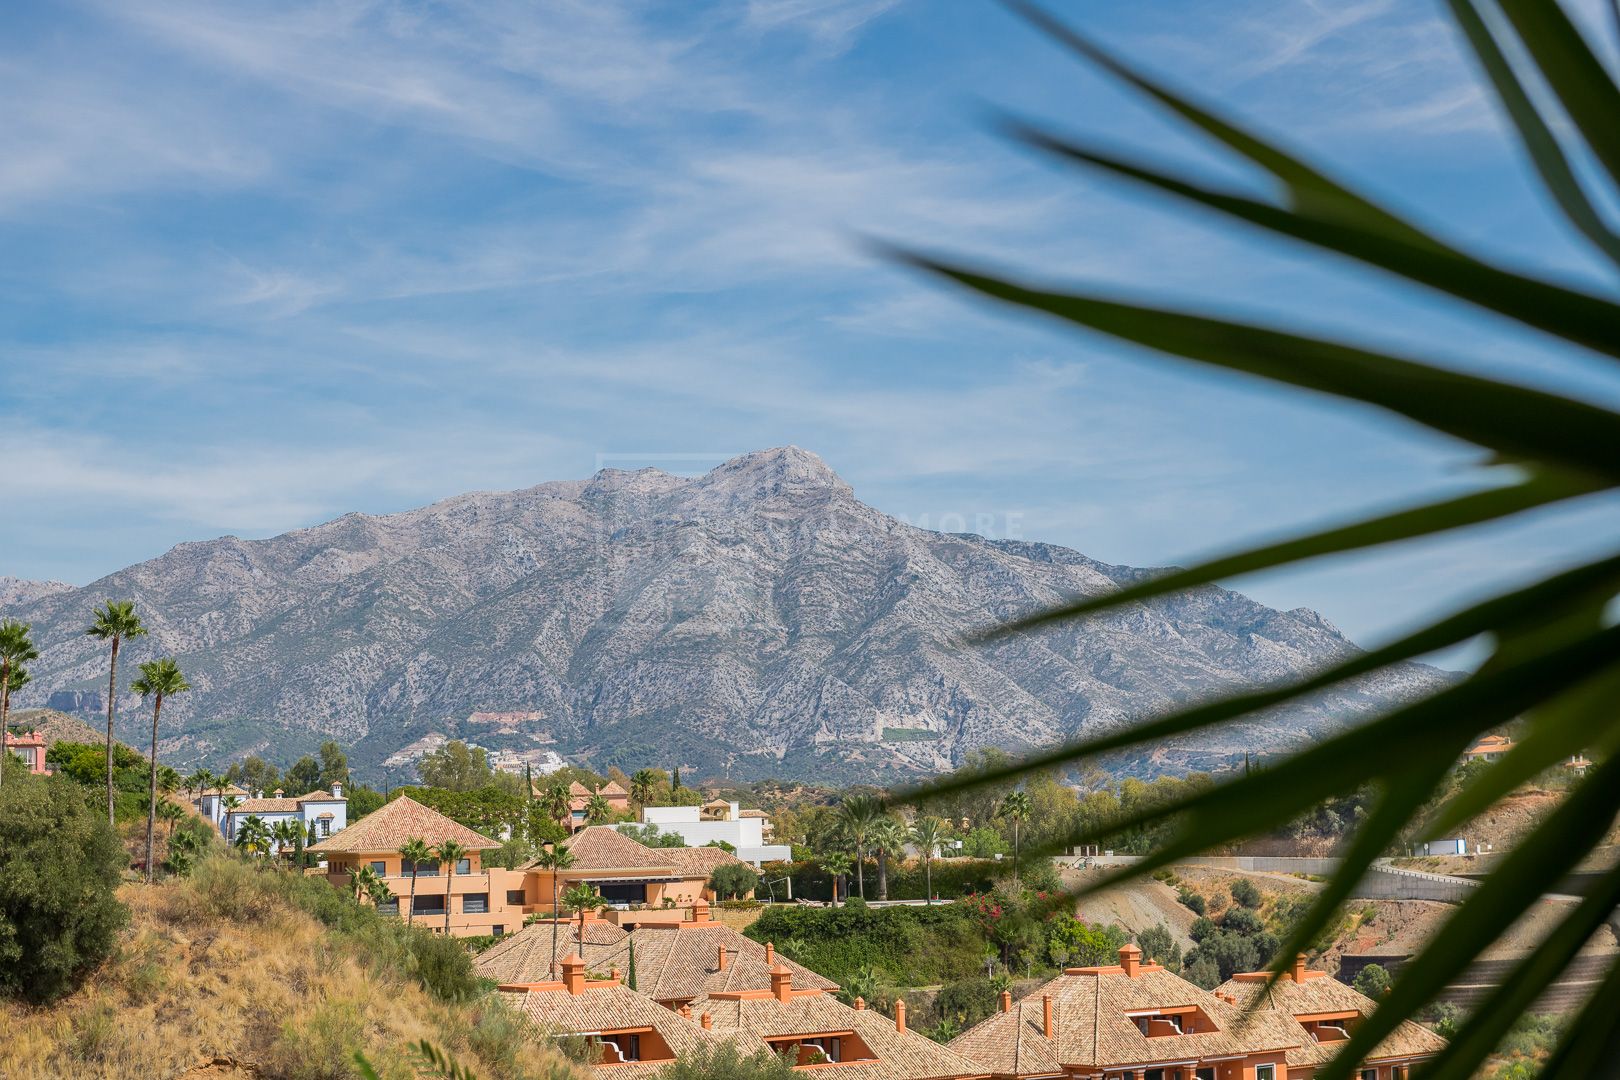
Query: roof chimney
(781,982)
(770,954)
(707,1021)
(860,1004)
(613,973)
(686,1009)
(1130,958)
(900,1015)
(1006,1001)
(1298,974)
(1046,1015)
(720,960)
(574,974)
(337,789)
(280,792)
(700,910)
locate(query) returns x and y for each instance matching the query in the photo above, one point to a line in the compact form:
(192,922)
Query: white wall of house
(747,835)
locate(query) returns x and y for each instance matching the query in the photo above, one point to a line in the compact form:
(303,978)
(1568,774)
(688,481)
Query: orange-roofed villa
(1490,748)
(30,746)
(640,885)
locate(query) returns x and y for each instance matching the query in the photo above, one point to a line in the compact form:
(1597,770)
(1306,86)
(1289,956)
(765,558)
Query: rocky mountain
(15,592)
(756,620)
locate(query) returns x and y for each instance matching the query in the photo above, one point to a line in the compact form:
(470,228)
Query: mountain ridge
(755,620)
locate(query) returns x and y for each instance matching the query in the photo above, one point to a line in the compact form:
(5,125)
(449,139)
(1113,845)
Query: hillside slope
(756,620)
(223,968)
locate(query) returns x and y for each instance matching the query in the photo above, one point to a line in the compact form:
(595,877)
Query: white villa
(699,826)
(321,813)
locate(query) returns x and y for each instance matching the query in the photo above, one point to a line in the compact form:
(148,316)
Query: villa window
(326,827)
(514,897)
(389,906)
(428,905)
(475,904)
(1265,1072)
(379,867)
(829,1047)
(1369,1074)
(421,869)
(464,866)
(627,1046)
(497,929)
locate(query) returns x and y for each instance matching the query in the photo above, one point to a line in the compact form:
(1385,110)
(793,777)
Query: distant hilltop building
(73,701)
(539,762)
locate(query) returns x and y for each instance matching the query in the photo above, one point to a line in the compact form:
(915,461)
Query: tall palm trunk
(5,707)
(883,874)
(555,887)
(112,709)
(449,891)
(151,807)
(928,879)
(860,870)
(410,912)
(1015,851)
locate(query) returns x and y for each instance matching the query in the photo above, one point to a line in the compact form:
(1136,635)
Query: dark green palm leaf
(1556,662)
(1575,74)
(1515,421)
(1539,141)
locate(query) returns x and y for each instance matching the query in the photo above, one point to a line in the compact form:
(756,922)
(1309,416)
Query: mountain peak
(774,471)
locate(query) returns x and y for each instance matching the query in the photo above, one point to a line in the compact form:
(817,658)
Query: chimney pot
(860,1004)
(1046,1014)
(707,1021)
(720,962)
(781,983)
(573,974)
(1299,968)
(1130,958)
(770,954)
(900,1015)
(686,1009)
(1006,1001)
(613,973)
(700,910)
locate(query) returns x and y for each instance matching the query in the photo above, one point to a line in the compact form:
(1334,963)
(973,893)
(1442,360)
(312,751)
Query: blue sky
(264,264)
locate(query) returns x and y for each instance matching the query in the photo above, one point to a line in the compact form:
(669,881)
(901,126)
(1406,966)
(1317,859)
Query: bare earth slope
(758,619)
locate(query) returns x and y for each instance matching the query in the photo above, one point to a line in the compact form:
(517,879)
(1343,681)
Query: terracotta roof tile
(266,806)
(526,956)
(612,1007)
(1321,994)
(392,824)
(898,1055)
(601,848)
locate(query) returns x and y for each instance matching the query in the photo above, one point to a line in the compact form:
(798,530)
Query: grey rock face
(756,620)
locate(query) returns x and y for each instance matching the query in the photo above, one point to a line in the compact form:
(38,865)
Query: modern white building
(320,813)
(699,826)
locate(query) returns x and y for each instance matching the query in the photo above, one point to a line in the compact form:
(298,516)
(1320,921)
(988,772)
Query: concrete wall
(1380,883)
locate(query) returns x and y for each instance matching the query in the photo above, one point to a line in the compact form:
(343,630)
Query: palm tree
(558,801)
(159,679)
(449,853)
(856,817)
(597,809)
(288,835)
(1553,663)
(642,786)
(413,853)
(114,621)
(888,836)
(582,897)
(928,833)
(19,679)
(252,835)
(1015,808)
(836,864)
(364,882)
(171,813)
(16,649)
(555,859)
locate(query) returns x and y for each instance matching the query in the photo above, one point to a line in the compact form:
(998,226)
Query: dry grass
(258,984)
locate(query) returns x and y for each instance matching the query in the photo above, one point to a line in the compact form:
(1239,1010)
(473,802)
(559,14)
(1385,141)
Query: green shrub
(1192,901)
(726,1062)
(1241,921)
(908,946)
(1245,893)
(60,864)
(1372,981)
(967,1002)
(731,881)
